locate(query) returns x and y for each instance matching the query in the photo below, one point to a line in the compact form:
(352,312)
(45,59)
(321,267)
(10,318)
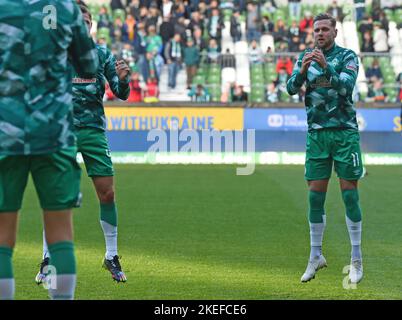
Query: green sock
(108,221)
(351,200)
(316,210)
(63,276)
(108,213)
(7,286)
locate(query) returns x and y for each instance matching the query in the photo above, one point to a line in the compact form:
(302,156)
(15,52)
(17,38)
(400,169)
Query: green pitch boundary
(262,158)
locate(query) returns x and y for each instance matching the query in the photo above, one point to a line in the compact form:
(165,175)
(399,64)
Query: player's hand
(307,59)
(319,57)
(122,69)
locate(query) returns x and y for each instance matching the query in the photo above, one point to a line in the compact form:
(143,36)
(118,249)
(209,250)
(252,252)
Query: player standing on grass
(89,121)
(330,73)
(36,127)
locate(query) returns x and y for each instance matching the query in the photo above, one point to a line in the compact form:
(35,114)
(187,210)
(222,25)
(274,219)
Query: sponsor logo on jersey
(82,80)
(352,66)
(321,82)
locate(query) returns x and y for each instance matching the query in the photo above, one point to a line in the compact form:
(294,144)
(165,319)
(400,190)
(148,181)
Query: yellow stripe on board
(174,118)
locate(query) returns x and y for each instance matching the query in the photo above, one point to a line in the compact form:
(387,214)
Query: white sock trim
(317,232)
(355,231)
(7,289)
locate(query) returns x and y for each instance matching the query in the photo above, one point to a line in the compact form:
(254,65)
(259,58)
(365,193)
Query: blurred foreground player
(36,127)
(89,121)
(330,73)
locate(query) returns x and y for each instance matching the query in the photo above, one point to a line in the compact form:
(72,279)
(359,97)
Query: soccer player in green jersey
(330,73)
(89,121)
(36,127)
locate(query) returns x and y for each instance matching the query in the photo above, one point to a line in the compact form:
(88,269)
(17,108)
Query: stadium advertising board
(134,119)
(275,119)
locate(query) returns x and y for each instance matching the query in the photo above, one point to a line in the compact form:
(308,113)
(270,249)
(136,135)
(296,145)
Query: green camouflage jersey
(88,93)
(328,98)
(36,40)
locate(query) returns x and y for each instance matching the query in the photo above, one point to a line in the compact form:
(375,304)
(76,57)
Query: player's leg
(317,173)
(349,167)
(104,187)
(8,234)
(14,171)
(94,148)
(57,180)
(61,271)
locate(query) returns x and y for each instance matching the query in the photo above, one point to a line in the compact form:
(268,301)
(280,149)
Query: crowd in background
(149,34)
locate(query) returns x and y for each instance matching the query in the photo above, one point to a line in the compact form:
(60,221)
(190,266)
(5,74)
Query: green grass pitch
(201,232)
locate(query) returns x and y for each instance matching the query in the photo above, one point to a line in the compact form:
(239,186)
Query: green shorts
(56,177)
(93,145)
(340,147)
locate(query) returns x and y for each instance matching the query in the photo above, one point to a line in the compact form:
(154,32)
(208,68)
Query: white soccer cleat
(312,267)
(356,271)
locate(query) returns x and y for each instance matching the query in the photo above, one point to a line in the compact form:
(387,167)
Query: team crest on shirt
(334,62)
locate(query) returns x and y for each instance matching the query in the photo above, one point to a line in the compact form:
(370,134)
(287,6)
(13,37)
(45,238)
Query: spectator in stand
(191,60)
(116,4)
(149,68)
(135,88)
(180,28)
(284,63)
(294,30)
(366,24)
(253,22)
(281,81)
(127,54)
(336,11)
(154,17)
(307,22)
(159,62)
(109,95)
(255,53)
(374,72)
(199,94)
(280,32)
(104,19)
(376,92)
(134,9)
(360,7)
(196,21)
(267,26)
(153,40)
(380,39)
(213,51)
(270,6)
(269,57)
(272,93)
(308,38)
(294,44)
(167,8)
(367,43)
(151,91)
(117,26)
(235,26)
(129,29)
(238,94)
(199,41)
(227,60)
(215,26)
(174,57)
(166,30)
(384,21)
(294,9)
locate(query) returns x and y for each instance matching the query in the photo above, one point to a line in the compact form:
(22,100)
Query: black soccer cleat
(114,268)
(40,277)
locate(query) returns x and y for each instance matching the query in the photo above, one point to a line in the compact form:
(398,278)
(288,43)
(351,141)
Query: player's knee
(317,199)
(350,197)
(106,196)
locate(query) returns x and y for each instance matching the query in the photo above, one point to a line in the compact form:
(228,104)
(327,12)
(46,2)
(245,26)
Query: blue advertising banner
(292,119)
